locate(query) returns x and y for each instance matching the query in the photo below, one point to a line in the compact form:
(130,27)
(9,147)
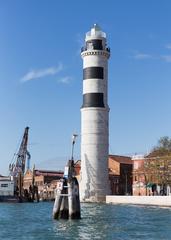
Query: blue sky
(41,75)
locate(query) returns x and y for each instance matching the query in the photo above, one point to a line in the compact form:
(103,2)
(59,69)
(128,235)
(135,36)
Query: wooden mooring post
(67,201)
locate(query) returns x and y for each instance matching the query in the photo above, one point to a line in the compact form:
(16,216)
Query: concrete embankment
(143,200)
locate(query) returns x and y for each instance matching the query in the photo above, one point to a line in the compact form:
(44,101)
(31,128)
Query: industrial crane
(17,170)
(18,167)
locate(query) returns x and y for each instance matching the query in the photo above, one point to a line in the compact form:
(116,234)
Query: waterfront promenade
(164,201)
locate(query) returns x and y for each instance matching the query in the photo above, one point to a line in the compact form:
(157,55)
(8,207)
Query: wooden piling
(67,201)
(60,209)
(73,199)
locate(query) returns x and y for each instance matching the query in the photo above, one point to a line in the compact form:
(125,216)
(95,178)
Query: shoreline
(164,201)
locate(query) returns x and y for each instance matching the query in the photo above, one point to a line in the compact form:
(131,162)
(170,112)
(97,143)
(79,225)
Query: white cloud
(65,80)
(168,46)
(142,56)
(166,58)
(40,73)
(145,56)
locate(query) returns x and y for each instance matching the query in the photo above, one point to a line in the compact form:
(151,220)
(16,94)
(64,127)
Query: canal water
(29,221)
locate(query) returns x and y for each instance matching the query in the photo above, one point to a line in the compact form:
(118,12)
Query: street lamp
(70,167)
(74,136)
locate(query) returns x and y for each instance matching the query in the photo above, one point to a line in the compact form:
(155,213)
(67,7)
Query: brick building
(120,177)
(139,179)
(152,175)
(45,180)
(120,174)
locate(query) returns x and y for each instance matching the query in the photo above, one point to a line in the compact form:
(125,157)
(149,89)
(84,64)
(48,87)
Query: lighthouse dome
(95,33)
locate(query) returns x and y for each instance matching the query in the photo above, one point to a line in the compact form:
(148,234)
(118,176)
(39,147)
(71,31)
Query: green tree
(158,162)
(163,147)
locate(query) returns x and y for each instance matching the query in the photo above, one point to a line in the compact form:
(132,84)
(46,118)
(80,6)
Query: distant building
(139,178)
(6,186)
(46,181)
(28,179)
(152,175)
(119,172)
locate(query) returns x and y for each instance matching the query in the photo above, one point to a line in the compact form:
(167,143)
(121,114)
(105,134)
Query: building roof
(4,178)
(48,173)
(121,159)
(117,158)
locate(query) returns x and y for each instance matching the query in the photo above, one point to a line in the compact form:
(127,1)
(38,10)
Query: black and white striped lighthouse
(94,181)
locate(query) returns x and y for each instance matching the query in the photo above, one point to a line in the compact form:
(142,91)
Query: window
(4,185)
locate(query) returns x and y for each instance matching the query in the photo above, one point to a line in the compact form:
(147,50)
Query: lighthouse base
(94,196)
(101,199)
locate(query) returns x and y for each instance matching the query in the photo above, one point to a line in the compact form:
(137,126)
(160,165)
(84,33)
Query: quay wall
(143,200)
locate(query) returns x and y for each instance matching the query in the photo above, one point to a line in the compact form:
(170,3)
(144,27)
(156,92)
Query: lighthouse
(94,180)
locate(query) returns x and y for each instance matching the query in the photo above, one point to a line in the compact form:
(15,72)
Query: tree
(162,148)
(157,166)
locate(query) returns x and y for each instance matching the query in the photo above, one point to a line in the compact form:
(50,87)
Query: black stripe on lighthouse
(93,100)
(93,72)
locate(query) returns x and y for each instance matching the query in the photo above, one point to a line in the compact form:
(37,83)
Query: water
(29,221)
